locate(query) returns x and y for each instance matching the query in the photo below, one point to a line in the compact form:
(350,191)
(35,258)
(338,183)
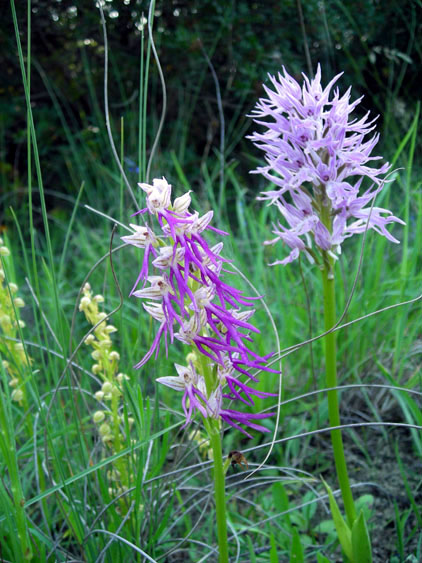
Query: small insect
(238,458)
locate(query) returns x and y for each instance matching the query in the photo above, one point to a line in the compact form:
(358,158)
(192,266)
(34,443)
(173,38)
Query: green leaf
(361,544)
(322,559)
(251,548)
(365,503)
(281,501)
(343,531)
(296,552)
(326,527)
(273,551)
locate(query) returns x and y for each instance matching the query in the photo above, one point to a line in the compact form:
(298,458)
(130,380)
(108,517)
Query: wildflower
(98,417)
(122,377)
(318,157)
(192,304)
(107,387)
(17,395)
(10,325)
(193,387)
(105,429)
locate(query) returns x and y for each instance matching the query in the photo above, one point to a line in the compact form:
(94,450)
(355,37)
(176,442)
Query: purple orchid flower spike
(186,295)
(318,155)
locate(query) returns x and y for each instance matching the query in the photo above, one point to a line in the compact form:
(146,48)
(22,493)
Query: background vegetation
(59,481)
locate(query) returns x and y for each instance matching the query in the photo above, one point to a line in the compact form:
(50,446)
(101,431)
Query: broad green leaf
(343,531)
(296,552)
(365,503)
(281,501)
(326,527)
(361,544)
(273,551)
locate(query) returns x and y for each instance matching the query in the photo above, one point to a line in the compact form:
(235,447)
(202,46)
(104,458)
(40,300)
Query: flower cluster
(106,367)
(186,295)
(318,157)
(18,362)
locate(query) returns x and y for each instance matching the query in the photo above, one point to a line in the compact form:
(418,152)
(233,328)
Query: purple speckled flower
(318,156)
(186,295)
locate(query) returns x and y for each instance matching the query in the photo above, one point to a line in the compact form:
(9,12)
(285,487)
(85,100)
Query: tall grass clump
(144,416)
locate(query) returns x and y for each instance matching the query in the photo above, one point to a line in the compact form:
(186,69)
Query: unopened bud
(13,287)
(122,377)
(98,417)
(107,387)
(182,203)
(84,303)
(99,395)
(191,357)
(17,395)
(104,429)
(89,339)
(5,320)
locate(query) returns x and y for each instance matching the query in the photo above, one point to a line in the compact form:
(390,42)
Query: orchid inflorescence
(187,296)
(318,157)
(105,366)
(18,362)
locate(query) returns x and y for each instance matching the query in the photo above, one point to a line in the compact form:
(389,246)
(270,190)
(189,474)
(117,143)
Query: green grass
(59,496)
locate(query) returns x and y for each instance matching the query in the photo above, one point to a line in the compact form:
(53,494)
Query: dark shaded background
(376,43)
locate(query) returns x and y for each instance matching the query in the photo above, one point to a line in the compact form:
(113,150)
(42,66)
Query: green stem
(331,379)
(219,488)
(116,425)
